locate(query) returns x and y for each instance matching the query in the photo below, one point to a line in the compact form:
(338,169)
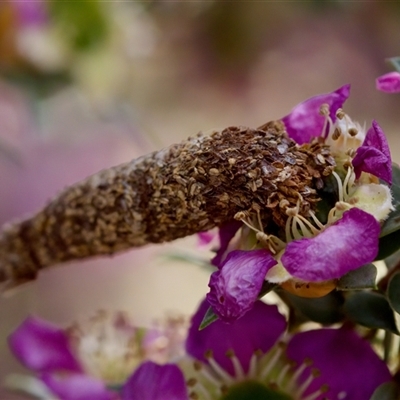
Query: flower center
(271,242)
(110,347)
(254,391)
(269,376)
(298,226)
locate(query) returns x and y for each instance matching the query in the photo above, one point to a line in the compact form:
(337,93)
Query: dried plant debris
(187,188)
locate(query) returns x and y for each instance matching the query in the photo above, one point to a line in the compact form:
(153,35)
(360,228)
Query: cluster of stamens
(273,370)
(298,226)
(271,242)
(341,135)
(345,202)
(108,346)
(111,347)
(344,135)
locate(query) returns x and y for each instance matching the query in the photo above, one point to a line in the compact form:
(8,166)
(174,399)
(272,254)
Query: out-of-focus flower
(155,382)
(253,359)
(389,83)
(36,40)
(308,253)
(103,358)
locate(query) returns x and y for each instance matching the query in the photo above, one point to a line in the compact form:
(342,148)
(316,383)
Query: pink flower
(389,83)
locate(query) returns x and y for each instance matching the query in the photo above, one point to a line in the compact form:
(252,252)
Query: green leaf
(396,172)
(266,288)
(208,319)
(361,278)
(84,22)
(191,259)
(326,310)
(329,196)
(386,391)
(392,260)
(393,292)
(388,245)
(395,61)
(371,310)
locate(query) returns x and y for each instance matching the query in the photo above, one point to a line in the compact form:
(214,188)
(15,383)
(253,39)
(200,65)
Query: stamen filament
(225,377)
(303,387)
(253,365)
(288,232)
(295,233)
(267,369)
(282,374)
(293,379)
(314,395)
(304,230)
(340,185)
(205,394)
(253,228)
(237,366)
(316,220)
(204,371)
(324,110)
(346,182)
(313,229)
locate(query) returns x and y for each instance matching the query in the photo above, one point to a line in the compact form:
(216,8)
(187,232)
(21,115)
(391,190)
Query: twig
(187,188)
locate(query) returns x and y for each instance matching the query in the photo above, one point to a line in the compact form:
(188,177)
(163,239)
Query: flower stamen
(205,373)
(348,182)
(199,387)
(323,389)
(225,377)
(304,386)
(282,374)
(339,184)
(298,226)
(293,380)
(253,363)
(273,243)
(324,111)
(279,348)
(316,220)
(237,366)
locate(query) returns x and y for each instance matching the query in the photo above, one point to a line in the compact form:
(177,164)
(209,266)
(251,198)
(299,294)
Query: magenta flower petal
(42,346)
(389,83)
(31,13)
(305,121)
(155,382)
(205,237)
(235,287)
(74,386)
(373,156)
(346,362)
(259,329)
(346,245)
(226,233)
